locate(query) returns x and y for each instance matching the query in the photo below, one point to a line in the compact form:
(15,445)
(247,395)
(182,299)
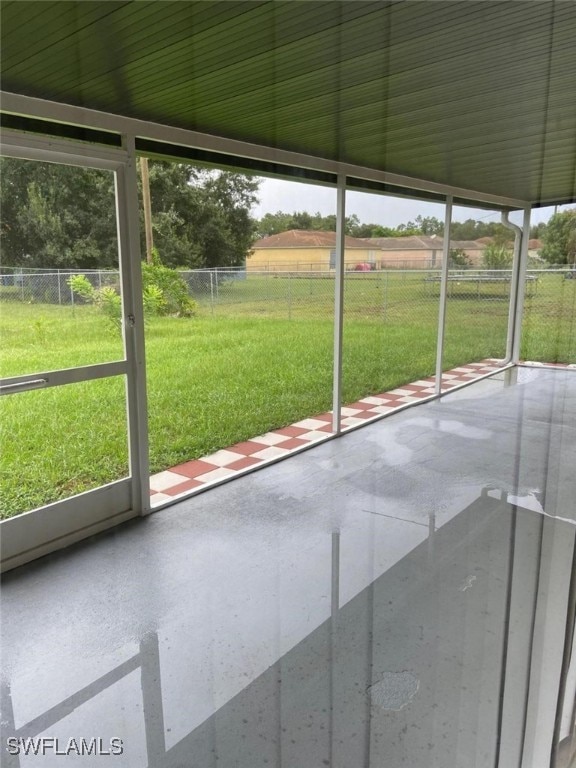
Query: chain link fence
(389,330)
(283,295)
(50,286)
(549,321)
(377,299)
(477,312)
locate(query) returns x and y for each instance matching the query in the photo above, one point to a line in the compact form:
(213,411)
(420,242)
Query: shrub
(154,301)
(106,299)
(458,258)
(82,287)
(164,293)
(497,256)
(173,288)
(110,303)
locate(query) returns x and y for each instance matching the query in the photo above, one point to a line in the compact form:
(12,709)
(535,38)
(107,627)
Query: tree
(422,225)
(471,229)
(274,223)
(430,225)
(408,230)
(64,217)
(467,230)
(373,230)
(57,216)
(201,217)
(559,238)
(537,230)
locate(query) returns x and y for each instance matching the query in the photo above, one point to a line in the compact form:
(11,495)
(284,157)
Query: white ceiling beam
(17,104)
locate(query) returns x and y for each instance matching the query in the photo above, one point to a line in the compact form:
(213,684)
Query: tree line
(557,231)
(58,216)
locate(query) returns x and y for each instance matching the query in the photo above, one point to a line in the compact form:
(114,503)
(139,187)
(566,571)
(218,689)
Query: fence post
(289,297)
(72,299)
(386,296)
(59,289)
(99,279)
(211,293)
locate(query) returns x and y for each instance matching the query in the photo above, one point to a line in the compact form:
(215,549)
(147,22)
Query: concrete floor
(396,597)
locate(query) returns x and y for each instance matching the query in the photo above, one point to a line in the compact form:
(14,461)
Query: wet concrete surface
(375,601)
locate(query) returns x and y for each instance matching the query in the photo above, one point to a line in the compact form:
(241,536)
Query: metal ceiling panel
(478,94)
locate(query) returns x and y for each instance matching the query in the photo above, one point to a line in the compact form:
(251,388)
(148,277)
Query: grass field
(258,357)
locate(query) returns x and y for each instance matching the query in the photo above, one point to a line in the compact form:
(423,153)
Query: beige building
(307,250)
(420,252)
(304,250)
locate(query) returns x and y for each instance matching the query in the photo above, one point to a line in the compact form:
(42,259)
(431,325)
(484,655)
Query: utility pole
(147,208)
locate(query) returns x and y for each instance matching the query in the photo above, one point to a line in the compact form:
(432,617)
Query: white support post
(338,304)
(133,317)
(521,288)
(443,295)
(514,283)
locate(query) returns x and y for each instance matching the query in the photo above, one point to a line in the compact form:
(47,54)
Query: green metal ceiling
(480,95)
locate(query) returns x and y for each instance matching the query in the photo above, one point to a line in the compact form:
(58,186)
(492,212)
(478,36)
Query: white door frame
(39,531)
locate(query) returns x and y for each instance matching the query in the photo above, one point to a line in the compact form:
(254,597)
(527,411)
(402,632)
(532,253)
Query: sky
(289,196)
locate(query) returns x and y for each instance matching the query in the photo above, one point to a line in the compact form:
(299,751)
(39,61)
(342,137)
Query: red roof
(307,238)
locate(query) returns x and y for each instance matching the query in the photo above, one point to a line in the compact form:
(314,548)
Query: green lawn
(258,357)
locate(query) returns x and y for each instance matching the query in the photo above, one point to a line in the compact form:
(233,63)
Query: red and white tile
(237,459)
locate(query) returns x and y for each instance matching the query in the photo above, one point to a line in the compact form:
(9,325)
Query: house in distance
(302,250)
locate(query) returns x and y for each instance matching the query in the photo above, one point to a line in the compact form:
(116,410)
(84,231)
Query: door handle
(22,386)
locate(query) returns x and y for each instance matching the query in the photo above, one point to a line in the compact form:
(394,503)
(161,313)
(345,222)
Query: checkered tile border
(231,461)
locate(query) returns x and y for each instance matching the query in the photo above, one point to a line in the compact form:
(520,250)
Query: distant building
(420,251)
(304,250)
